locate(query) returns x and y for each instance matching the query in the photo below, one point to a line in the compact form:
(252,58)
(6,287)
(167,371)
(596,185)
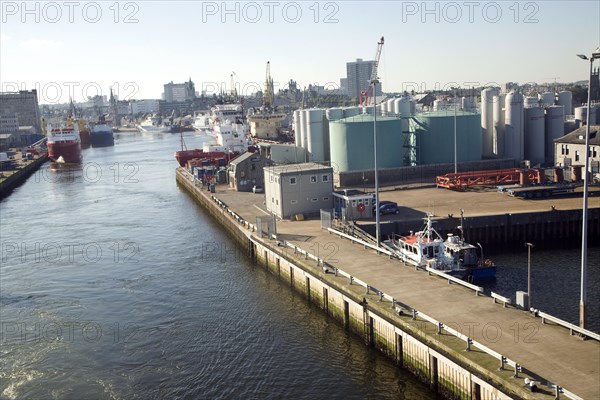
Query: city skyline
(80,49)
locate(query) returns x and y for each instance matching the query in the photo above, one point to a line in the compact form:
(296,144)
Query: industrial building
(570,149)
(298,189)
(246,171)
(24,106)
(283,153)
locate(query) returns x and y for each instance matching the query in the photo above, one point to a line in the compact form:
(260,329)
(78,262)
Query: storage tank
(304,129)
(315,135)
(514,126)
(547,98)
(404,110)
(498,149)
(595,112)
(413,107)
(534,135)
(390,106)
(396,107)
(532,102)
(439,105)
(367,110)
(555,128)
(487,120)
(435,137)
(467,103)
(352,143)
(351,111)
(581,115)
(297,127)
(565,99)
(334,113)
(382,107)
(570,126)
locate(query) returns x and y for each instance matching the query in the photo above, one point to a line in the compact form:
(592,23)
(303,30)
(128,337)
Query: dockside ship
(64,144)
(102,133)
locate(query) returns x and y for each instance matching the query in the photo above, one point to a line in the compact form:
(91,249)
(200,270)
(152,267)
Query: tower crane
(268,94)
(364,94)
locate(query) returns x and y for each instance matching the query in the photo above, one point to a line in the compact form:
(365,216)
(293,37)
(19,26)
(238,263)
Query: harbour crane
(364,94)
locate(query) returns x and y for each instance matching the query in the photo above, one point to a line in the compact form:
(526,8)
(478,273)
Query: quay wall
(17,178)
(436,359)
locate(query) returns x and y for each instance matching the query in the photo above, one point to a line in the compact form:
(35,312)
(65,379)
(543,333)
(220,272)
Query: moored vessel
(102,133)
(64,144)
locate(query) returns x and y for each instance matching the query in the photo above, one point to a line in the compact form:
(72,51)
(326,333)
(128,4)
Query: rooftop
(578,136)
(297,168)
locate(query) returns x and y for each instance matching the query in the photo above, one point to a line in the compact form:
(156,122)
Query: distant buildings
(179,92)
(23,106)
(358,77)
(137,107)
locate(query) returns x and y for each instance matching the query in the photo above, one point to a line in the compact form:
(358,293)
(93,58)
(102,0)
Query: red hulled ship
(64,144)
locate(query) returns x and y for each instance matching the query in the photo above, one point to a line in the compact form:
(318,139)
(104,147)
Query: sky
(83,48)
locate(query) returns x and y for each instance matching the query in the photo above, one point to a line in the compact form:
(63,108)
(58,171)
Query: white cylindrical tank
(547,98)
(390,106)
(581,115)
(514,126)
(335,113)
(534,135)
(297,127)
(396,107)
(468,103)
(565,99)
(303,128)
(382,108)
(487,120)
(532,102)
(315,135)
(498,125)
(404,110)
(439,105)
(555,128)
(351,111)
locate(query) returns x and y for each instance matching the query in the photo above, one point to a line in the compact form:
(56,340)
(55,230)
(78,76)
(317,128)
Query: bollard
(440,326)
(469,341)
(502,361)
(380,296)
(516,374)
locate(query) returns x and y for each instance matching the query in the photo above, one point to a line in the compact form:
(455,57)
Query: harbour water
(114,284)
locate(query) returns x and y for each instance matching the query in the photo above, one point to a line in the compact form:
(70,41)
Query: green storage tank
(351,143)
(435,137)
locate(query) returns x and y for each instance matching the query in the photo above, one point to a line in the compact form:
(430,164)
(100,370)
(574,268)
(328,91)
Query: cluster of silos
(581,115)
(352,143)
(523,127)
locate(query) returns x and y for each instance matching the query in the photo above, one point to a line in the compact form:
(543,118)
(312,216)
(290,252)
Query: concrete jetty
(464,345)
(10,179)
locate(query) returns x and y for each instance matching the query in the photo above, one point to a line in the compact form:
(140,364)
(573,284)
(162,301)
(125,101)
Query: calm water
(115,285)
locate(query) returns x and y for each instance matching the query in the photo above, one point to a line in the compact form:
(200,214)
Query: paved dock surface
(547,350)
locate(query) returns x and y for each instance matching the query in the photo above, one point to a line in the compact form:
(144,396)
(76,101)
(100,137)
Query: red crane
(364,94)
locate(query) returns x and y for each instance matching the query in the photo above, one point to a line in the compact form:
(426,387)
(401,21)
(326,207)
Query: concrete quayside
(464,344)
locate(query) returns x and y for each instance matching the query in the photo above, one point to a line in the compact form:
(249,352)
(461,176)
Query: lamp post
(583,300)
(374,82)
(529,246)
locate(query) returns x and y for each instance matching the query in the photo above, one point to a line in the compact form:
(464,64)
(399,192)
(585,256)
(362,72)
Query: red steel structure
(462,180)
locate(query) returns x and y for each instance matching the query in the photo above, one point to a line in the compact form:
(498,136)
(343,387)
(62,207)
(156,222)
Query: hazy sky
(83,48)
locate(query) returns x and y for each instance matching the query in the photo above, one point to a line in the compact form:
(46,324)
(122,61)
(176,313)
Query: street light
(529,246)
(374,82)
(582,304)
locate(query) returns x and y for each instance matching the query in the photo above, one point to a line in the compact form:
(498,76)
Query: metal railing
(572,327)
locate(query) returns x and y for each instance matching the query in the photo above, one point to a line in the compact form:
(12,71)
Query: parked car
(257,189)
(389,208)
(383,203)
